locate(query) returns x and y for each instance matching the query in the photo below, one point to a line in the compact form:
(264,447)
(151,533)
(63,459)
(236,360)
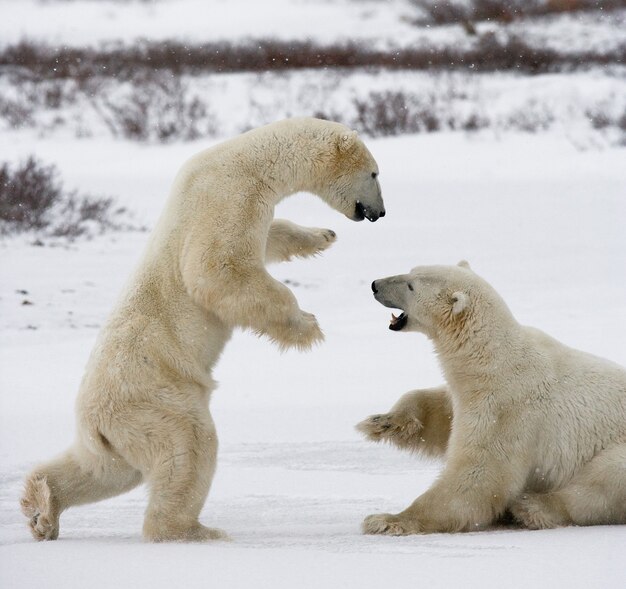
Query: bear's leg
(286,240)
(247,296)
(75,478)
(471,493)
(419,421)
(595,495)
(449,506)
(238,290)
(177,455)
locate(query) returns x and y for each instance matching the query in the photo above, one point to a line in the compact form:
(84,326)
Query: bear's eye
(374,174)
(410,286)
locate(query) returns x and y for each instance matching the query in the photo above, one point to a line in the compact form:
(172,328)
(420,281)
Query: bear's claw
(387,524)
(386,426)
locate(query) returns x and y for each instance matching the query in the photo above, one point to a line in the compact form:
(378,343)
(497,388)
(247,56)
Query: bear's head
(439,300)
(349,179)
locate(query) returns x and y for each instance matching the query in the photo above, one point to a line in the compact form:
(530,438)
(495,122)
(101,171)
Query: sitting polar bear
(143,403)
(527,425)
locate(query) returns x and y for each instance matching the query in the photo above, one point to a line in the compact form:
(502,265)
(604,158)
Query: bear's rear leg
(178,489)
(179,472)
(75,478)
(596,495)
(40,508)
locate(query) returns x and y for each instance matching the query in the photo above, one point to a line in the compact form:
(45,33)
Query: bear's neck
(290,162)
(477,356)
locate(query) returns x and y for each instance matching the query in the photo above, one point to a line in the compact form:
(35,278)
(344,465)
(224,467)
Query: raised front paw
(400,428)
(286,240)
(389,525)
(307,331)
(318,241)
(301,332)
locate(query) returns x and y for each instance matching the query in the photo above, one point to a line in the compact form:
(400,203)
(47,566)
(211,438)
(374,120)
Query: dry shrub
(393,113)
(156,108)
(396,112)
(530,118)
(135,63)
(27,195)
(607,116)
(33,199)
(440,12)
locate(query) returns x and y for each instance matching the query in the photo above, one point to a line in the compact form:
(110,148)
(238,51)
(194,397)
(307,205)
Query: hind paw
(38,506)
(538,511)
(42,528)
(155,531)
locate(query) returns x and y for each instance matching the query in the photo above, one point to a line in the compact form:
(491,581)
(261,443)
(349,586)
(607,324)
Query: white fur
(526,424)
(142,409)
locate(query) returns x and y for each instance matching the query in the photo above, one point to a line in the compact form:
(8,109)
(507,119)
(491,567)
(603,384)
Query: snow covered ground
(568,104)
(388,23)
(585,101)
(539,219)
(541,216)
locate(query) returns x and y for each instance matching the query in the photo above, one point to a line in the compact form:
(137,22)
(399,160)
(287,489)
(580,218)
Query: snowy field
(386,23)
(541,216)
(539,219)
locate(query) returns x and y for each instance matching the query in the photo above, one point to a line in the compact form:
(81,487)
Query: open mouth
(359,212)
(364,212)
(398,323)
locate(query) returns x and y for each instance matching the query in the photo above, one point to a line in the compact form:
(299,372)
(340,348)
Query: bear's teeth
(394,319)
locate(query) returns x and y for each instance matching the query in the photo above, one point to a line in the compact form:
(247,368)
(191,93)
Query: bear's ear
(464,264)
(460,300)
(345,141)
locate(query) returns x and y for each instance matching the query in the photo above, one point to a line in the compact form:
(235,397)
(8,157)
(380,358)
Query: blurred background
(175,70)
(171,71)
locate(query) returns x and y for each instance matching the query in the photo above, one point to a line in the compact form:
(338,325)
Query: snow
(238,102)
(565,32)
(539,219)
(391,23)
(92,22)
(540,216)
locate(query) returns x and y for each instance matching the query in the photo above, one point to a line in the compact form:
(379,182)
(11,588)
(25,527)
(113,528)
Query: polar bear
(528,427)
(142,408)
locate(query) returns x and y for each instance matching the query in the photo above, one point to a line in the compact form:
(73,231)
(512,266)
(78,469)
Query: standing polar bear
(526,424)
(142,408)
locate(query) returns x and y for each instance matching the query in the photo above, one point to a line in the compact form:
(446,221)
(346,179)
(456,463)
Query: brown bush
(27,194)
(441,13)
(397,112)
(32,199)
(489,53)
(157,108)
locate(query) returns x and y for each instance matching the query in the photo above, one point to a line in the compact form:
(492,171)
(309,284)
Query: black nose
(381,214)
(374,289)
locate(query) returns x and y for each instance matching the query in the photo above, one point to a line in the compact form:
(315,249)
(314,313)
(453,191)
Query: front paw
(329,237)
(397,428)
(301,332)
(308,331)
(389,525)
(318,241)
